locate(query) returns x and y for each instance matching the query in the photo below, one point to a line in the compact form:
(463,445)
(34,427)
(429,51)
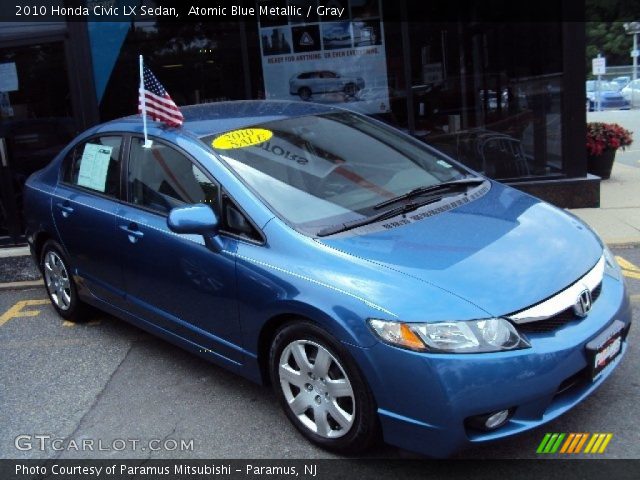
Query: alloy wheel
(57,280)
(317,389)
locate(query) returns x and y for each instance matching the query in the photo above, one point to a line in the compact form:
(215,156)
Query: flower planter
(602,164)
(603,139)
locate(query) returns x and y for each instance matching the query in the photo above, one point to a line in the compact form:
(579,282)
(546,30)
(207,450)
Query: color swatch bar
(574,443)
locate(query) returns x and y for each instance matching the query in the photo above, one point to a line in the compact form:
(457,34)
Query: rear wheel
(321,390)
(59,283)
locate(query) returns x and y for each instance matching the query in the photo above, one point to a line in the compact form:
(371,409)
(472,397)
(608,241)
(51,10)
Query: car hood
(502,252)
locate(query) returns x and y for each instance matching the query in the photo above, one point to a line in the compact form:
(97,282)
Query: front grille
(557,321)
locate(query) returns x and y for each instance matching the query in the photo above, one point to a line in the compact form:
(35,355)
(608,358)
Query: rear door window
(95,165)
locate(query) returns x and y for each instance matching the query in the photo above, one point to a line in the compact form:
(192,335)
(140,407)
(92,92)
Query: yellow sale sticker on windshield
(241,138)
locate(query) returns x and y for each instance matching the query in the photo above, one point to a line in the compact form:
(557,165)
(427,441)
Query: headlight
(475,336)
(611,266)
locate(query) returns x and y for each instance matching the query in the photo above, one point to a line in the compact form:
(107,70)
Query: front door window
(161,178)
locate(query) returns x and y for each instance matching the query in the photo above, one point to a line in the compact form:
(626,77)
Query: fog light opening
(490,421)
(496,420)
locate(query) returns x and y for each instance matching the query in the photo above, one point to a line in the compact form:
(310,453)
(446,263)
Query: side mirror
(198,219)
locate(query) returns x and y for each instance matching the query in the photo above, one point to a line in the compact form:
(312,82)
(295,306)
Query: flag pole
(143,107)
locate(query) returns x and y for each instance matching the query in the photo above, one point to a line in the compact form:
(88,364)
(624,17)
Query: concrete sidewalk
(617,220)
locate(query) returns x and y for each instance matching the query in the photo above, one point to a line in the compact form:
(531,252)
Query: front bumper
(424,399)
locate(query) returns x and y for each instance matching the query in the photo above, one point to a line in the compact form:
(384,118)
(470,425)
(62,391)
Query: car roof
(211,118)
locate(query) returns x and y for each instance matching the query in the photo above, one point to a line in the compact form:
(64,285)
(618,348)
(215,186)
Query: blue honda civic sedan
(380,287)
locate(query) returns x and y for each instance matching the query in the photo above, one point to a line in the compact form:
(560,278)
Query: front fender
(266,291)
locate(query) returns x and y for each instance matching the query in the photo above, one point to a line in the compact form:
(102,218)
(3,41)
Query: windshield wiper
(393,212)
(437,188)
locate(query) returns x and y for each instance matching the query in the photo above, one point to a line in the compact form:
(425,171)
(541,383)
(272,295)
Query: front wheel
(321,390)
(304,93)
(350,89)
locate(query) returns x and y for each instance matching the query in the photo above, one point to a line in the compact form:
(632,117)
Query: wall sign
(338,58)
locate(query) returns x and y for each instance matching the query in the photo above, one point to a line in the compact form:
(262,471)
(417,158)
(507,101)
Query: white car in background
(632,93)
(305,84)
(621,81)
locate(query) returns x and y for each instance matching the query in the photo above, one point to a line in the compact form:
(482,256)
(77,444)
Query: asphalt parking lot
(106,381)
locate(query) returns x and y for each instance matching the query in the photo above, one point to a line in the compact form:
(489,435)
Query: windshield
(317,171)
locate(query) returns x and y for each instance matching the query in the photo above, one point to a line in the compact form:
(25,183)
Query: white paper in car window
(94,166)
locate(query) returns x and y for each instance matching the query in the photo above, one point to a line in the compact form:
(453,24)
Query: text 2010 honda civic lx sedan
(378,285)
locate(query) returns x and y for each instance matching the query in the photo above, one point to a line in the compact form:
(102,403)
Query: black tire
(364,429)
(304,93)
(76,310)
(350,89)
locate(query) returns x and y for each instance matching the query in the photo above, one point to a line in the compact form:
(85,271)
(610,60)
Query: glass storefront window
(197,62)
(36,122)
(490,94)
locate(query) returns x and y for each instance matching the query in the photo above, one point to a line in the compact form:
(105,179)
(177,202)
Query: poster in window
(328,58)
(94,166)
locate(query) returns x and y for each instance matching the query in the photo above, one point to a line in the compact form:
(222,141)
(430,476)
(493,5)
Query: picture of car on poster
(306,84)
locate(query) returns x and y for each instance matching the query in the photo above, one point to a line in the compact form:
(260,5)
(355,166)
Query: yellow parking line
(90,323)
(17,310)
(628,269)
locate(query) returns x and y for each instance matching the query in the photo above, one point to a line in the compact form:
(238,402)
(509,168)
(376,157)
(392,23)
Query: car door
(322,82)
(174,280)
(83,206)
(315,82)
(331,82)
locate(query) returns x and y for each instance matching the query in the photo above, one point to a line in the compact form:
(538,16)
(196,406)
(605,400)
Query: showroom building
(502,94)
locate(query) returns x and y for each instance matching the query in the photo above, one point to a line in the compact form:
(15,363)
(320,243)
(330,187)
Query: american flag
(158,103)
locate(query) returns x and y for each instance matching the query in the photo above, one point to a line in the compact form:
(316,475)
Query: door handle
(65,208)
(132,231)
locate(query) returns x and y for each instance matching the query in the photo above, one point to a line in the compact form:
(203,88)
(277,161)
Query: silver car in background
(305,84)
